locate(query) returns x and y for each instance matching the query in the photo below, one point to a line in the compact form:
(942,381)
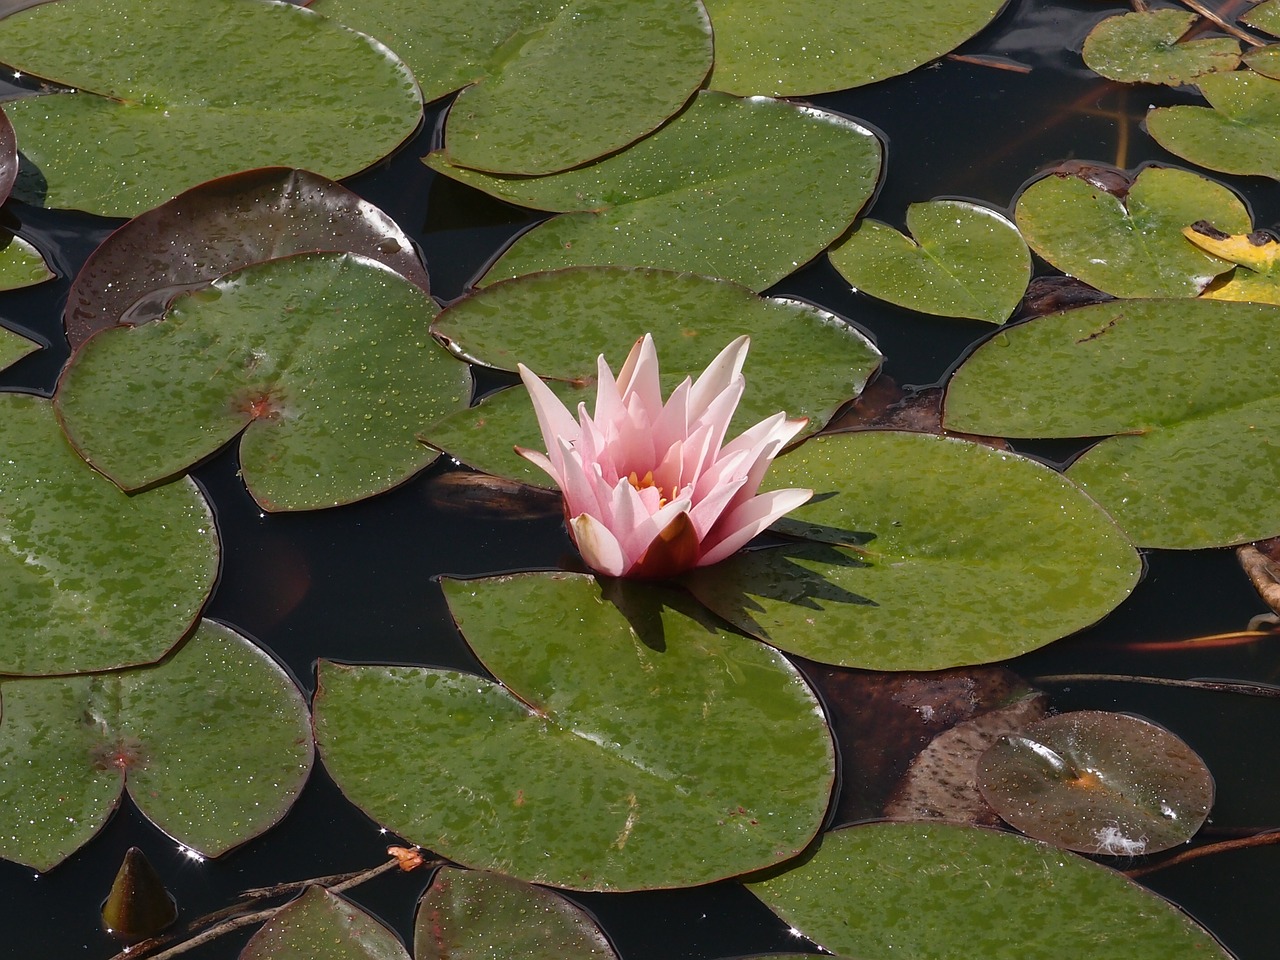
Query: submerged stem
(1221,686)
(1257,840)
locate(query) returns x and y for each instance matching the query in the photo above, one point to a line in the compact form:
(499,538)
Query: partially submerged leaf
(219,227)
(324,361)
(138,904)
(629,744)
(1239,132)
(473,915)
(14,346)
(951,892)
(1098,782)
(966,260)
(220,721)
(21,264)
(321,925)
(1143,47)
(91,579)
(1130,245)
(167,96)
(747,190)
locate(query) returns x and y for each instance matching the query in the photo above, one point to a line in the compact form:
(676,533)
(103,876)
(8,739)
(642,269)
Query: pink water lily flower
(651,489)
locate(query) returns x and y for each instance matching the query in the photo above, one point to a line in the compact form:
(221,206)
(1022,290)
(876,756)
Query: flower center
(645,482)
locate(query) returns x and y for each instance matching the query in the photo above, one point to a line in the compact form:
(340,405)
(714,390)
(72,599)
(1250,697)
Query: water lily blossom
(651,489)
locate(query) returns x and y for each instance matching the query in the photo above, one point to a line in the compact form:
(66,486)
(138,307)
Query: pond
(361,583)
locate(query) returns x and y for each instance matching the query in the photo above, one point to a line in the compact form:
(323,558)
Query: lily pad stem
(1240,843)
(1222,686)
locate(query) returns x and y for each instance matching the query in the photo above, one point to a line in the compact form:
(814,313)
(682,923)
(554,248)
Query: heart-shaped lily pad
(949,892)
(91,579)
(221,226)
(1239,132)
(474,915)
(212,744)
(325,361)
(1130,245)
(966,261)
(1179,380)
(938,552)
(1143,47)
(747,190)
(320,925)
(1098,782)
(812,46)
(628,743)
(169,95)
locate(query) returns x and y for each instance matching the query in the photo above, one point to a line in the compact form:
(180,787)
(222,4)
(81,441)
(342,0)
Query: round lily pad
(1236,133)
(166,98)
(747,190)
(1098,782)
(628,742)
(965,260)
(1130,245)
(951,892)
(1143,47)
(212,744)
(932,552)
(324,361)
(91,579)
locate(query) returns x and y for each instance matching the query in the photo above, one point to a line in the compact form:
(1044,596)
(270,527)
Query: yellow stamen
(644,483)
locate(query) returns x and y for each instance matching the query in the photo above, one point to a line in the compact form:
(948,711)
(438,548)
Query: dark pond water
(355,584)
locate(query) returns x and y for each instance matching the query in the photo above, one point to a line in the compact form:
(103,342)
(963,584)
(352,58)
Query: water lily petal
(554,419)
(599,548)
(639,377)
(752,518)
(673,550)
(722,371)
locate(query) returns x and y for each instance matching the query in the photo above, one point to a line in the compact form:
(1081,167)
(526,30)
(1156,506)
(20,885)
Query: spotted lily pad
(950,892)
(473,915)
(221,226)
(1180,381)
(321,925)
(91,579)
(170,94)
(934,552)
(1099,783)
(1256,277)
(1239,132)
(966,261)
(1130,245)
(1143,47)
(747,190)
(324,361)
(813,46)
(212,745)
(628,742)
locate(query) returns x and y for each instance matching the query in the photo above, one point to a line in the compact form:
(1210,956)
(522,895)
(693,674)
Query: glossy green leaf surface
(1143,47)
(21,264)
(170,93)
(91,579)
(961,260)
(813,46)
(212,744)
(473,915)
(1181,380)
(324,361)
(950,892)
(1265,17)
(1098,782)
(1131,246)
(937,552)
(1239,132)
(1264,60)
(221,226)
(320,925)
(625,747)
(747,190)
(13,347)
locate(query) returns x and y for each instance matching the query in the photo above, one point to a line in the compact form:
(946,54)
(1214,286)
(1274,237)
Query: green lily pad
(1265,17)
(21,264)
(747,190)
(168,96)
(325,361)
(212,744)
(8,157)
(472,915)
(320,925)
(1264,60)
(221,226)
(966,261)
(91,579)
(625,746)
(814,46)
(14,346)
(1130,246)
(1256,277)
(1143,47)
(1098,782)
(1239,132)
(1180,380)
(938,552)
(950,892)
